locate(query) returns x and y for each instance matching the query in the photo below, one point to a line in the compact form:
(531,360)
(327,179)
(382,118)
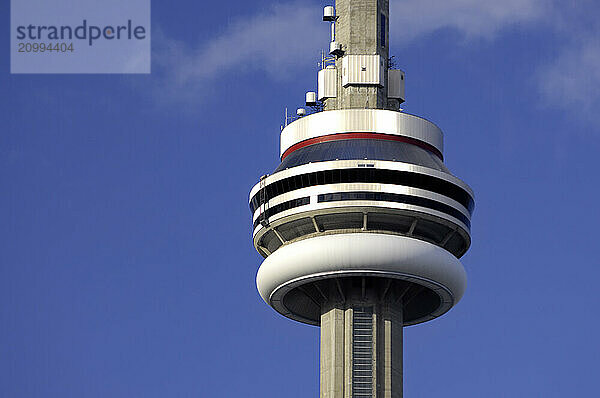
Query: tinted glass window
(290,204)
(382,40)
(297,228)
(398,198)
(389,222)
(330,222)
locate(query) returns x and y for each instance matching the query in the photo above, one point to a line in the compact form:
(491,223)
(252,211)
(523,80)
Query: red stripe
(371,136)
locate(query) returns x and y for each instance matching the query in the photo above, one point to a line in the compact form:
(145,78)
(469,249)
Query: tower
(361,225)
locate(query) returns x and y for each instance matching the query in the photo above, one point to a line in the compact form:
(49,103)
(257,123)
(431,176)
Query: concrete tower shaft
(362,31)
(362,26)
(361,350)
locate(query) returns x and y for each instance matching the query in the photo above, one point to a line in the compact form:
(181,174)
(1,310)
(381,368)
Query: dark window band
(370,136)
(365,175)
(290,204)
(397,198)
(382,28)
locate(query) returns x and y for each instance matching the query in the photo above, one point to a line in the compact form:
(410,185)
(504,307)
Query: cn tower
(362,225)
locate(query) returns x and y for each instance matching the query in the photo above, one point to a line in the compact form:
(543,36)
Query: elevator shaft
(361,350)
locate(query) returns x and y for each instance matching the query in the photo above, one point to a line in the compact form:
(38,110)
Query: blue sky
(126,262)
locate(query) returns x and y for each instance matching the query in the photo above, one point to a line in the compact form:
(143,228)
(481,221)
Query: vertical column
(348,325)
(359,26)
(332,353)
(389,351)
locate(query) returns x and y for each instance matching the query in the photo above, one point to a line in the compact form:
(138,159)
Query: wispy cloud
(471,18)
(286,38)
(572,81)
(276,41)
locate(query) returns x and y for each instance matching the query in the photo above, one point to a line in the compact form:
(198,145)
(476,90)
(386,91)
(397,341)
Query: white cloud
(572,81)
(471,18)
(276,41)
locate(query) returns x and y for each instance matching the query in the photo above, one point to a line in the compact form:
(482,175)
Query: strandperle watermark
(80,36)
(84,31)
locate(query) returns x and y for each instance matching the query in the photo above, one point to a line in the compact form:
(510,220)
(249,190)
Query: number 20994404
(45,48)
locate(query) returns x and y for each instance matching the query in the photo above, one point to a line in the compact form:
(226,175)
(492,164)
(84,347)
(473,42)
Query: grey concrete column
(373,332)
(332,353)
(359,26)
(389,351)
(363,29)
